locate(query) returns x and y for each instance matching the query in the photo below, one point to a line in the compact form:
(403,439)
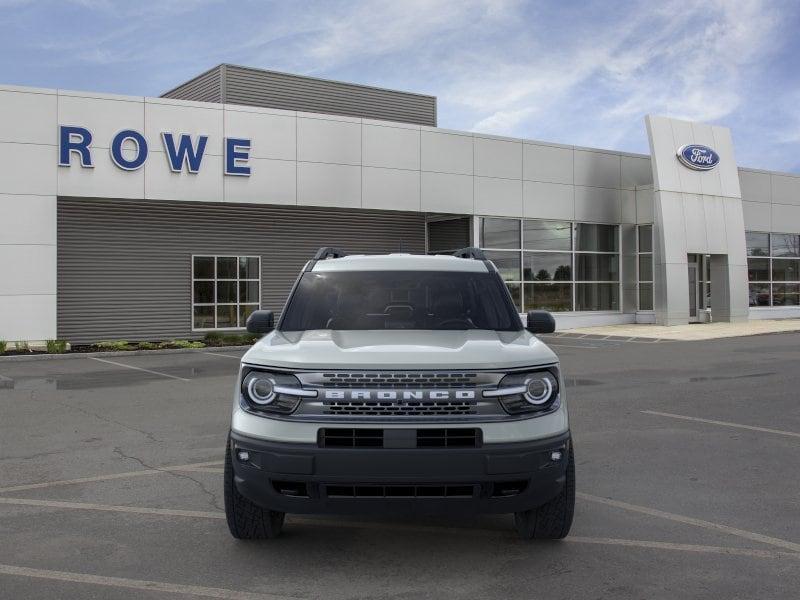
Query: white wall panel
(757,216)
(597,205)
(28,317)
(448,193)
(390,189)
(28,169)
(627,206)
(320,184)
(162,184)
(694,223)
(27,219)
(662,144)
(785,189)
(727,170)
(636,172)
(786,218)
(103,117)
(597,169)
(336,142)
(28,118)
(446,153)
(272,135)
(755,186)
(644,206)
(716,231)
(549,164)
(498,158)
(105,179)
(548,200)
(498,196)
(710,181)
(177,118)
(393,147)
(27,269)
(270,182)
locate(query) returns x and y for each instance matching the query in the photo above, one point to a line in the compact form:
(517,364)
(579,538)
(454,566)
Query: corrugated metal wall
(257,87)
(206,87)
(448,234)
(124,267)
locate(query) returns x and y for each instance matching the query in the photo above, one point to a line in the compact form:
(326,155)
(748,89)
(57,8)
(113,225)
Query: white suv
(401,384)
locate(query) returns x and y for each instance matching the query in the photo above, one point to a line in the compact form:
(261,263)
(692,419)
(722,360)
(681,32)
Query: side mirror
(540,321)
(261,322)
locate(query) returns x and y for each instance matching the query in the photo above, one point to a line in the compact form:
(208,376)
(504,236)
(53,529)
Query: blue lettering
(237,151)
(185,153)
(141,150)
(74,139)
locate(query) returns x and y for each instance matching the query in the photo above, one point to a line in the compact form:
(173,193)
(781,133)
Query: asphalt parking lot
(688,456)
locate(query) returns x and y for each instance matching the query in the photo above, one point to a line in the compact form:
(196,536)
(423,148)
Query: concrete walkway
(693,332)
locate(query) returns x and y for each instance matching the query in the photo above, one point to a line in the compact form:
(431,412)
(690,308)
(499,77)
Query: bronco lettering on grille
(399,395)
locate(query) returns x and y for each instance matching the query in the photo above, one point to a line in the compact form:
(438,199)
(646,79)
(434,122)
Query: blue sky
(574,72)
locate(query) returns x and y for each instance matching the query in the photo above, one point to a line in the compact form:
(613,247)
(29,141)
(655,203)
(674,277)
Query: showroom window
(773,268)
(644,251)
(555,265)
(225,290)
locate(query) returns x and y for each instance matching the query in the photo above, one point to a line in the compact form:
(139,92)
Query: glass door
(694,288)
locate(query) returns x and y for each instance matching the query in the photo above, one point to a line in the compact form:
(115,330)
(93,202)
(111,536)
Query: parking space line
(723,423)
(201,470)
(223,355)
(653,512)
(167,512)
(111,362)
(34,486)
(656,545)
(137,584)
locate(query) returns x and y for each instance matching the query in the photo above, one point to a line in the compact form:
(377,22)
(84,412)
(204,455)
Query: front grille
(333,437)
(351,438)
(398,380)
(409,408)
(448,438)
(401,491)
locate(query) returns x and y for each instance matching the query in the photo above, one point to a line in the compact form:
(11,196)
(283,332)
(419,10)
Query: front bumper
(305,478)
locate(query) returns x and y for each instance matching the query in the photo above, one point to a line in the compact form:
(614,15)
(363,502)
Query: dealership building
(137,218)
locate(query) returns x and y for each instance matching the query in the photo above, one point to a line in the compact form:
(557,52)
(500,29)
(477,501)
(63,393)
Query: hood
(401,350)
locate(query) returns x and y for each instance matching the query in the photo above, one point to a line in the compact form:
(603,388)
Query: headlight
(534,391)
(271,392)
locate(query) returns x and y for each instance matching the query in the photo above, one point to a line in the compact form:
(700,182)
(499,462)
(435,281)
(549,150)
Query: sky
(574,72)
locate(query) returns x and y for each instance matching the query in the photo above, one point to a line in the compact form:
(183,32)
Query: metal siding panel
(206,87)
(290,92)
(124,267)
(448,235)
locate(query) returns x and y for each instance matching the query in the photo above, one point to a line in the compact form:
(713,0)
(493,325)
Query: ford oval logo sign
(698,157)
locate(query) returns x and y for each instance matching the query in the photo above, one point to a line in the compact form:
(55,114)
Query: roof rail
(328,252)
(470,252)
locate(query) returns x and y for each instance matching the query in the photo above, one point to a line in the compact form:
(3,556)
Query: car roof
(401,262)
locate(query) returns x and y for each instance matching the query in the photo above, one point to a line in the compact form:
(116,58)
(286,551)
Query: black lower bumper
(304,478)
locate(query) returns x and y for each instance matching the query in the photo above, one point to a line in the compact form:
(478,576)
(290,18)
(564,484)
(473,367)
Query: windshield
(432,300)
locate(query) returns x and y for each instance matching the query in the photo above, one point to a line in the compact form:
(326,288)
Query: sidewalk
(693,332)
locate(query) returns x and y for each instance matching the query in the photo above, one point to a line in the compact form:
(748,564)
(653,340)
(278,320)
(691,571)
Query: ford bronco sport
(404,384)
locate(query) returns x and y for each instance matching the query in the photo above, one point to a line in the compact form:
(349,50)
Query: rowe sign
(181,150)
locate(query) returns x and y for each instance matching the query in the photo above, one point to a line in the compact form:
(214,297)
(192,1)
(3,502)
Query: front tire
(246,519)
(550,521)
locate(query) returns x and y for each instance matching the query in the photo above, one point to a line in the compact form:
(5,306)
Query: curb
(72,355)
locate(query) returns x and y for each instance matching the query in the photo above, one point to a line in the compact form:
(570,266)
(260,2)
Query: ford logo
(698,157)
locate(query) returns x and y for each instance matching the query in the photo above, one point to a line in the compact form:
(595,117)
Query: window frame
(771,283)
(639,279)
(573,281)
(215,304)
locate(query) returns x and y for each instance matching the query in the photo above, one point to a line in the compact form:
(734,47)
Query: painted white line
(118,364)
(136,584)
(683,547)
(570,346)
(34,486)
(166,512)
(748,535)
(223,355)
(723,423)
(201,470)
(197,514)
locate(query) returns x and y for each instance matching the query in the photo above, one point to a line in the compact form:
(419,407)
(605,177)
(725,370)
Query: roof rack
(327,252)
(470,252)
